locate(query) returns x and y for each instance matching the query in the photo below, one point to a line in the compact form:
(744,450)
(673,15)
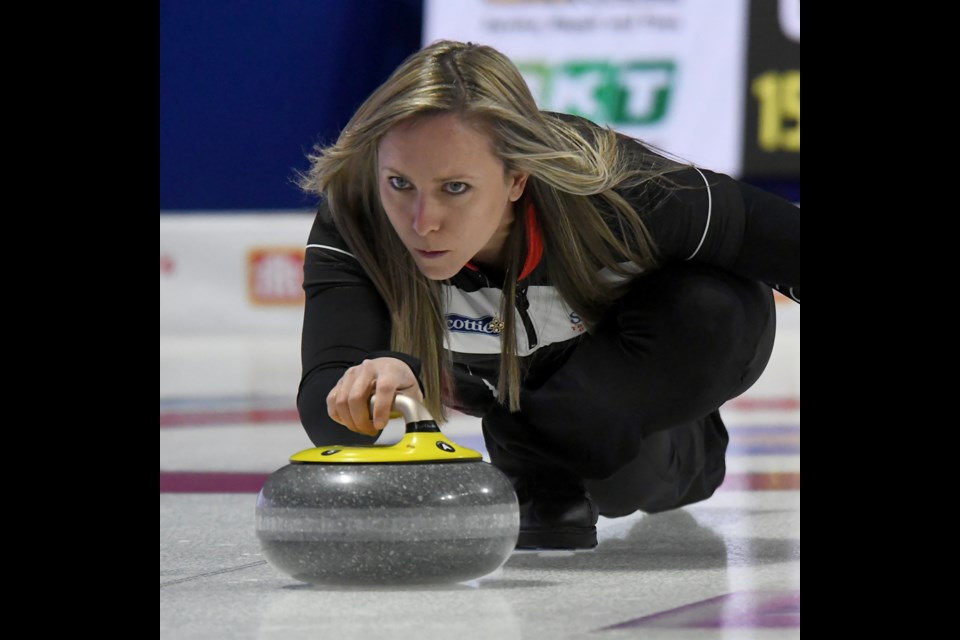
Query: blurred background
(247,88)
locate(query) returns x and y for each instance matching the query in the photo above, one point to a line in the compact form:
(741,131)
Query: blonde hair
(575,172)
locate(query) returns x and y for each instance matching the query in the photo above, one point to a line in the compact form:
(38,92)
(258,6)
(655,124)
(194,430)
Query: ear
(518,182)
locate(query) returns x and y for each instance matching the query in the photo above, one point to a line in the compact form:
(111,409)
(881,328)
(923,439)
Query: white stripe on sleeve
(323,246)
(709,213)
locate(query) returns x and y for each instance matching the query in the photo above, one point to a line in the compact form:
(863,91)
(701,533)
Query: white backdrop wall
(232,273)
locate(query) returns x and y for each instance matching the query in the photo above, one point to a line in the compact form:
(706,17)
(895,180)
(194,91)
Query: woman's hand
(383,378)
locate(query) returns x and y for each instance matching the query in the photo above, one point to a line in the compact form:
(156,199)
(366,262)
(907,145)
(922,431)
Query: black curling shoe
(555,514)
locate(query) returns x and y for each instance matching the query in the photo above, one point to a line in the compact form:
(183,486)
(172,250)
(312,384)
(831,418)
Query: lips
(431,254)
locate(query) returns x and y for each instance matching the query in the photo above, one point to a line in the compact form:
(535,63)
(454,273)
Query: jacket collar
(472,275)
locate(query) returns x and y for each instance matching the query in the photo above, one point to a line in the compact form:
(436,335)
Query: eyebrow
(453,178)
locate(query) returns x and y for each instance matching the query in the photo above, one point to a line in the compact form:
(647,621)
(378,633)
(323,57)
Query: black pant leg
(683,341)
(675,467)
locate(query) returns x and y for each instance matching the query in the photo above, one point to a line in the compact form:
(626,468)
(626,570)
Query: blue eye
(456,188)
(398,183)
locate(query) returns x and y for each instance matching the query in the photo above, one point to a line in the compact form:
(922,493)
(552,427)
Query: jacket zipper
(523,304)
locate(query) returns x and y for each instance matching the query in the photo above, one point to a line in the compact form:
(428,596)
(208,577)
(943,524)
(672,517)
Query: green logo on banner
(625,93)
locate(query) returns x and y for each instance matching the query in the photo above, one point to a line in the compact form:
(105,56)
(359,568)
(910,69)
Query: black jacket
(717,221)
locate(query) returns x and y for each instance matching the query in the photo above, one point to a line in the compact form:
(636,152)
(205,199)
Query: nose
(426,217)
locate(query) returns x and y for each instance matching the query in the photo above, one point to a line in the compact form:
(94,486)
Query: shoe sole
(559,538)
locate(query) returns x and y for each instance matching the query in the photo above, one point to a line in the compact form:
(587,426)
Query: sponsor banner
(772,133)
(232,273)
(670,73)
(275,276)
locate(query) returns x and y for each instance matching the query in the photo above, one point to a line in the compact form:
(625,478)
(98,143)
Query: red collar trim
(534,245)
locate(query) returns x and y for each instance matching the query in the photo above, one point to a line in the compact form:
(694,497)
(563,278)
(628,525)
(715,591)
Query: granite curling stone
(424,510)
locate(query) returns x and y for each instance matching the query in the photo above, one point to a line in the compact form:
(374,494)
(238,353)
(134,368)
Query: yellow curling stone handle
(423,442)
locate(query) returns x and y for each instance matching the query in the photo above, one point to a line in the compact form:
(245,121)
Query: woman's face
(446,194)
